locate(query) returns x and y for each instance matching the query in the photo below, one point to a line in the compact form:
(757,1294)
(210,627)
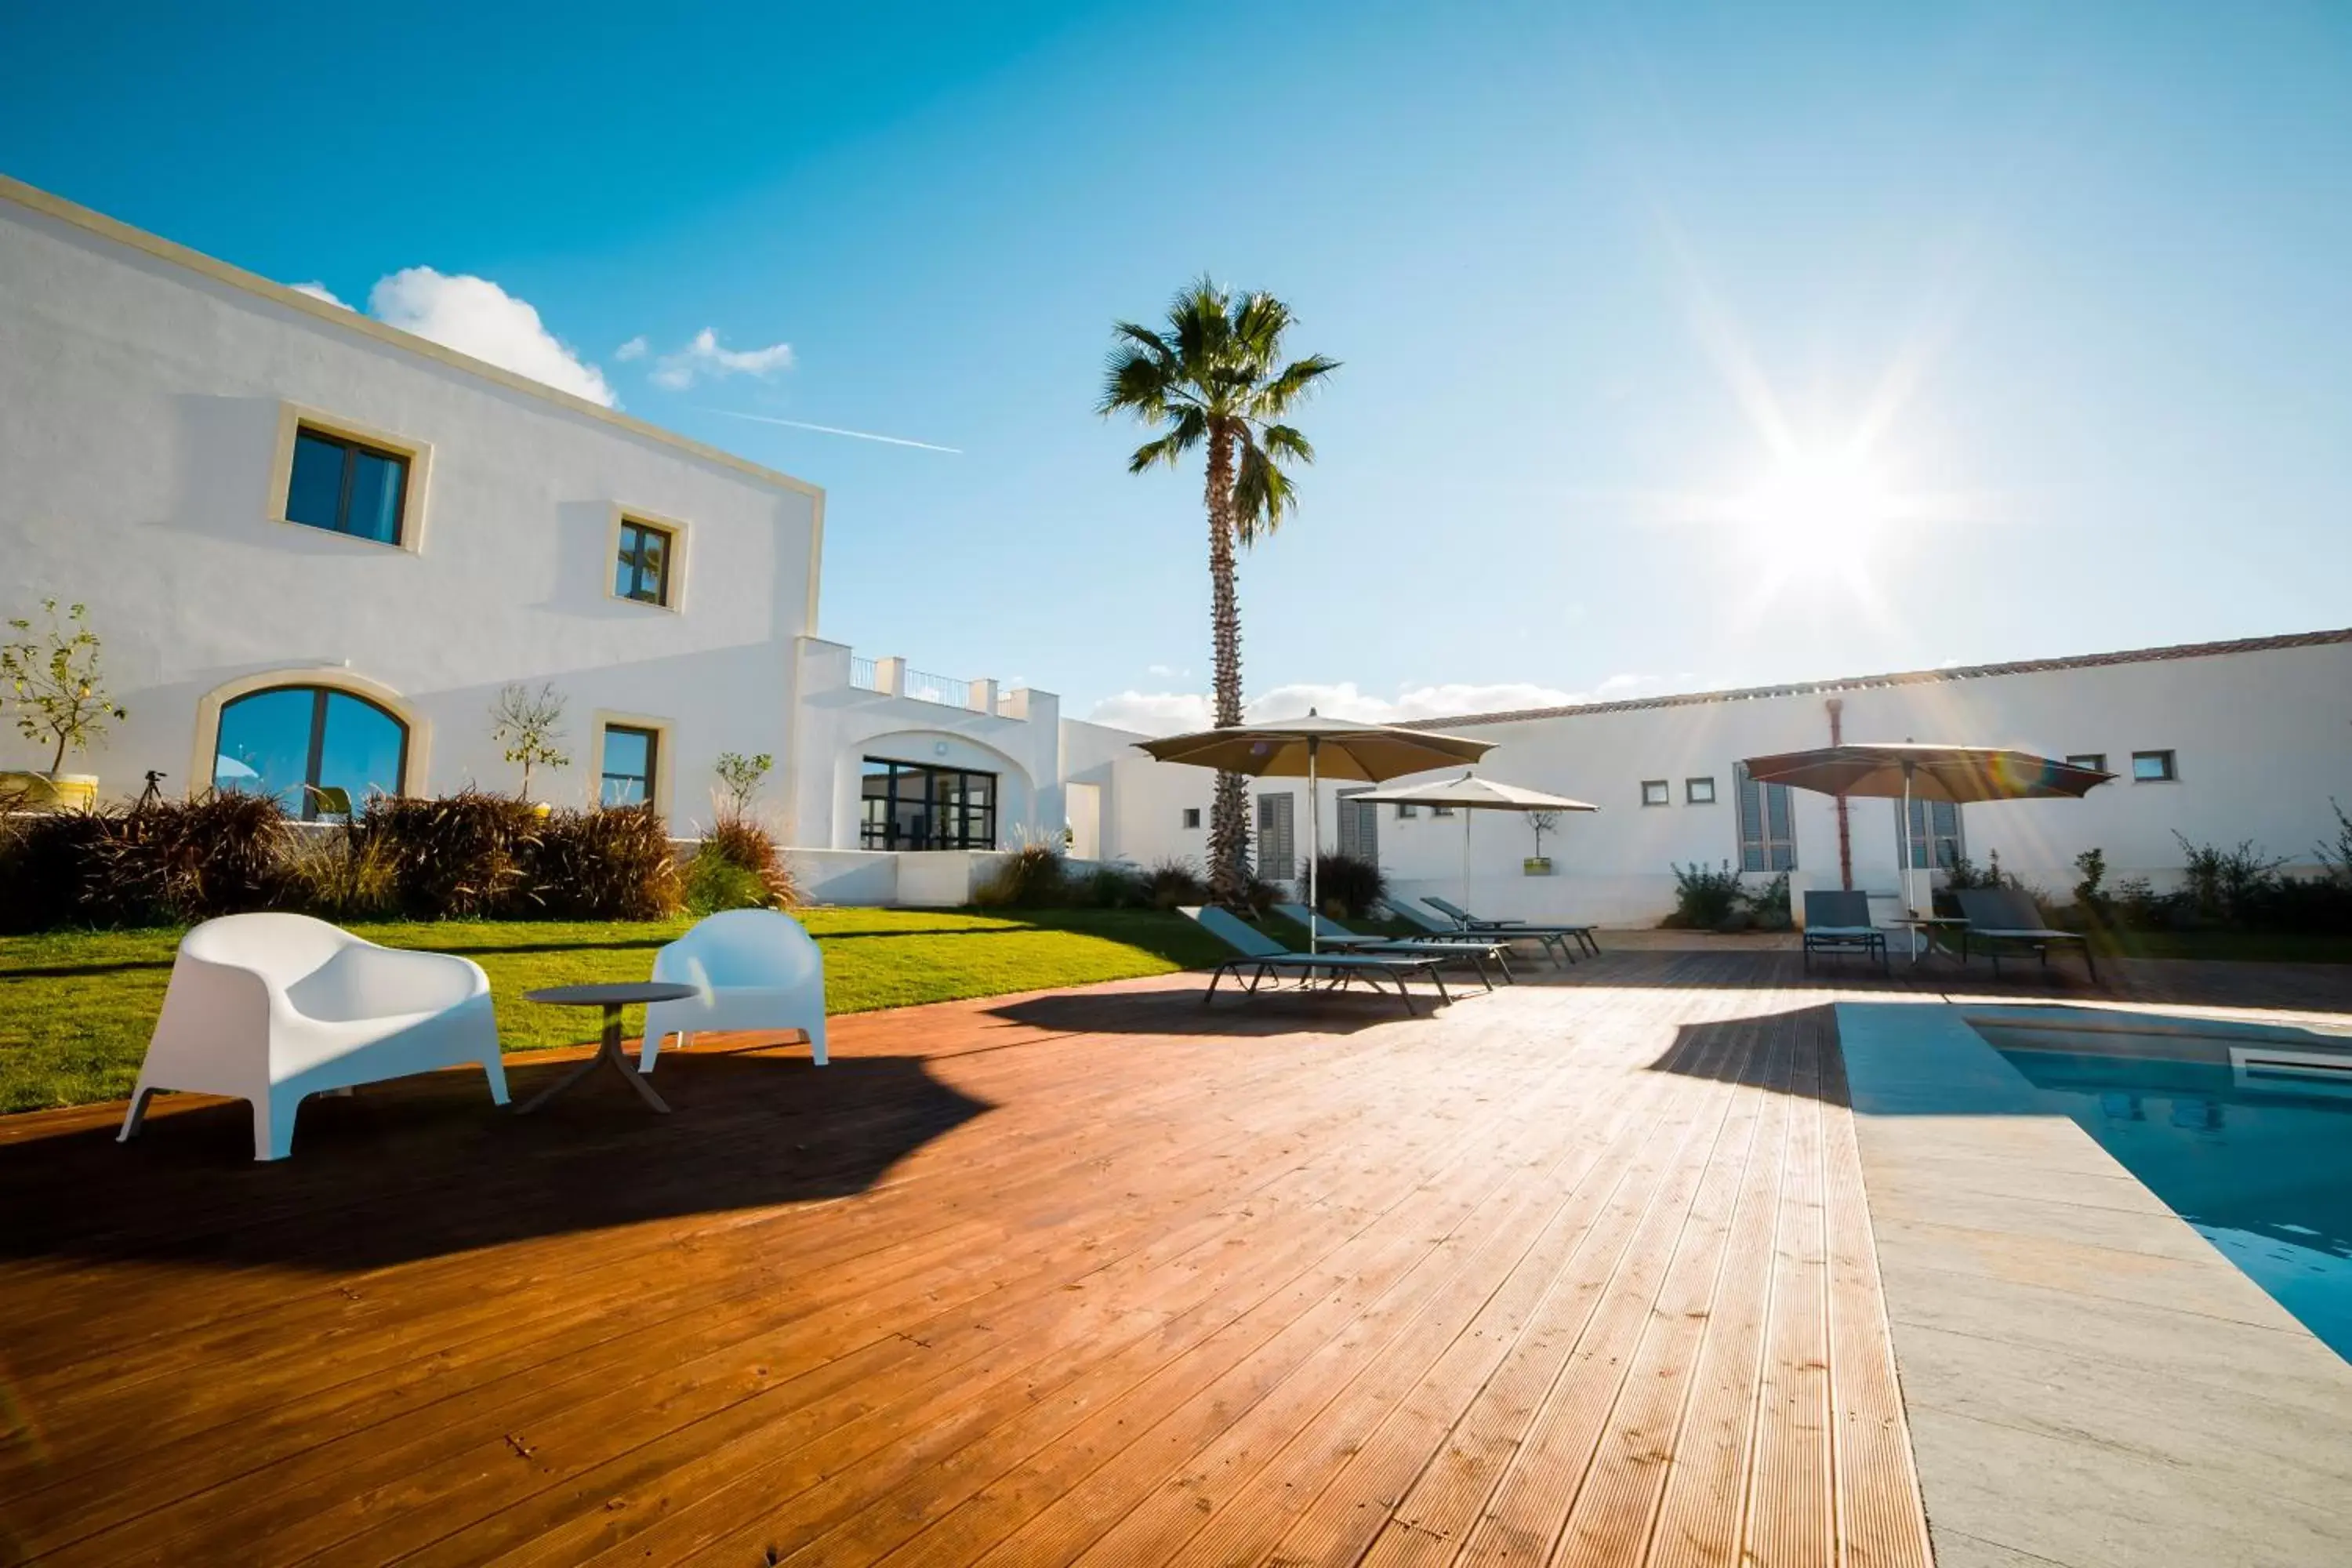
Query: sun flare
(1818,496)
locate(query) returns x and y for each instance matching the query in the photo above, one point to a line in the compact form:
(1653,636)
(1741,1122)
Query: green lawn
(75,1006)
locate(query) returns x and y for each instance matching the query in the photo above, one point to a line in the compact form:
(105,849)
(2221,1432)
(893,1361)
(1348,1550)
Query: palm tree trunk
(1229,810)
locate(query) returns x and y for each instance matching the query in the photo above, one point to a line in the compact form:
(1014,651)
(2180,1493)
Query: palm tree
(1215,375)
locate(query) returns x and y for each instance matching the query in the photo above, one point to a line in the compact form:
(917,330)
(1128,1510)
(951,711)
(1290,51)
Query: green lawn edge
(75,1007)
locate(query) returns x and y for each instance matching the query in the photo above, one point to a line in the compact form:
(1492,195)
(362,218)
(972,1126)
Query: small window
(346,486)
(2094,761)
(630,754)
(1698,791)
(1657,791)
(1441,811)
(2153,767)
(1192,816)
(1406,808)
(641,573)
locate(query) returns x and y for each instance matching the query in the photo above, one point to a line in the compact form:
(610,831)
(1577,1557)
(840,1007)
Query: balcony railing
(863,675)
(925,686)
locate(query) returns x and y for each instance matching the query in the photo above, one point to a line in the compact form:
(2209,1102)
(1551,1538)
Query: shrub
(457,857)
(45,862)
(1112,885)
(180,861)
(1770,907)
(1705,900)
(1034,875)
(2226,886)
(713,884)
(748,846)
(606,863)
(2090,896)
(1174,883)
(345,876)
(1347,885)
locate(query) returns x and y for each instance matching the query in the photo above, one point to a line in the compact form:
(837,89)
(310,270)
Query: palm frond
(1283,441)
(1262,495)
(1191,427)
(1298,379)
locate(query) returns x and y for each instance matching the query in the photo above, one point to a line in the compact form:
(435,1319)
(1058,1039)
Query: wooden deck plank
(1582,1270)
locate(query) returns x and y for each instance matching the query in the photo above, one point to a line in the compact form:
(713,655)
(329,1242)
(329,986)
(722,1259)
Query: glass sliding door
(911,805)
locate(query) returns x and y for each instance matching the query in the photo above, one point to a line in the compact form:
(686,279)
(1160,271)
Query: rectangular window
(2153,767)
(1192,816)
(1441,811)
(1276,850)
(1767,833)
(1657,791)
(346,486)
(1935,834)
(907,806)
(630,756)
(1698,791)
(1405,809)
(2095,760)
(641,573)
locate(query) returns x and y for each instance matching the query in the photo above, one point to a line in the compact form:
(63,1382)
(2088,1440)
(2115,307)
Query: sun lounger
(1999,916)
(1261,958)
(1581,934)
(1836,923)
(1473,952)
(1435,929)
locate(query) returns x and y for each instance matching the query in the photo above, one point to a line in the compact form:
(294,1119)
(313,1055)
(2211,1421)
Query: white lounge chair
(271,1008)
(756,969)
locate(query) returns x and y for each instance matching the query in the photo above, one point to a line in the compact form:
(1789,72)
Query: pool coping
(2088,1381)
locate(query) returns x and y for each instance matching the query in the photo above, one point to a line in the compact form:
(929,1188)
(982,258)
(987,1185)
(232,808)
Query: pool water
(2263,1171)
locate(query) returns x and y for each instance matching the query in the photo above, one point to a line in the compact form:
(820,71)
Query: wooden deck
(1574,1273)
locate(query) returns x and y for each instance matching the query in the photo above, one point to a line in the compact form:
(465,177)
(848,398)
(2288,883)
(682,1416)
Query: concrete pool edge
(2087,1380)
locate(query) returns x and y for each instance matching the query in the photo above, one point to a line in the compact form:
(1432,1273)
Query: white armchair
(754,969)
(271,1008)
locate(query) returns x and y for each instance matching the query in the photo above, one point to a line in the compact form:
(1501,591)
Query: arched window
(295,741)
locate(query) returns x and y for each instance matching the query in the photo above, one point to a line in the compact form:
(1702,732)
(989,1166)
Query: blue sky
(1602,280)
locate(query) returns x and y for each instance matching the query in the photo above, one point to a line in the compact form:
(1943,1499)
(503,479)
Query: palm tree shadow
(426,1166)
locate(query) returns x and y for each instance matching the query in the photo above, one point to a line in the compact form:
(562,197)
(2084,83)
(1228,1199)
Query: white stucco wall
(1143,802)
(841,725)
(2263,739)
(143,389)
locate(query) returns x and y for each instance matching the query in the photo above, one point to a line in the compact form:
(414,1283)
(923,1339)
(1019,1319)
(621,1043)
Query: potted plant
(1540,864)
(53,676)
(529,726)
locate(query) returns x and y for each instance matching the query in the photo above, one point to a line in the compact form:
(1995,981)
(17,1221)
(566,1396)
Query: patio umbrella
(1911,771)
(1470,794)
(1317,748)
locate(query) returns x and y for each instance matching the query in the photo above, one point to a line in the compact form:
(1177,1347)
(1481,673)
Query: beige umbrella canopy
(1913,771)
(1316,748)
(1468,794)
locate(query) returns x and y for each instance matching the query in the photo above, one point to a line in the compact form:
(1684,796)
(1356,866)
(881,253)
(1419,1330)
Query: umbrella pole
(1909,906)
(1314,847)
(1466,856)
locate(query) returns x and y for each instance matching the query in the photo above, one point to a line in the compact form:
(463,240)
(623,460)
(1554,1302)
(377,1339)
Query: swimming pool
(2249,1142)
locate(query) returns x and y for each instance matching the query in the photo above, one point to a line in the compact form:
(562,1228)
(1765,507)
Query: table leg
(611,1052)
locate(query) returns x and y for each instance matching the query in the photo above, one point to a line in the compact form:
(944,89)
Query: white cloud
(635,347)
(475,316)
(702,357)
(317,291)
(1172,713)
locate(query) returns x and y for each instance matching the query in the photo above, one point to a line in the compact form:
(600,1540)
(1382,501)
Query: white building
(316,549)
(2216,742)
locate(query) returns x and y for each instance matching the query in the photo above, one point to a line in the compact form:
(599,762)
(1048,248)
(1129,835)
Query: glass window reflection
(291,740)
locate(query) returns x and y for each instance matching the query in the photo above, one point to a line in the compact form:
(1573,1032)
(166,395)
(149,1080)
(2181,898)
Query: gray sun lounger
(1999,916)
(1582,935)
(1840,922)
(1472,951)
(1261,958)
(1434,929)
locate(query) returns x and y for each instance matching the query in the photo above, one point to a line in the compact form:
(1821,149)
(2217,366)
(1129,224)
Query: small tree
(529,726)
(54,676)
(1543,822)
(738,780)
